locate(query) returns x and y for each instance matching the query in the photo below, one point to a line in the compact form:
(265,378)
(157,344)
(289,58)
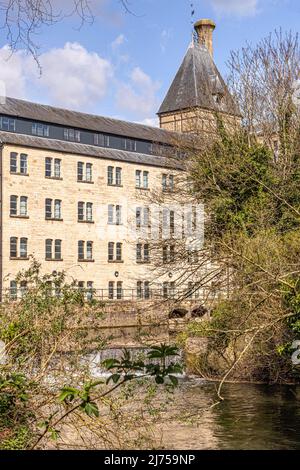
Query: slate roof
(42,143)
(197,84)
(52,115)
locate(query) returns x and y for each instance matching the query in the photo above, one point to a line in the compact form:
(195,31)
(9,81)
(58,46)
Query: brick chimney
(205,29)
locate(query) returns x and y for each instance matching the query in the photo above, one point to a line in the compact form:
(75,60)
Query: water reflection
(251,417)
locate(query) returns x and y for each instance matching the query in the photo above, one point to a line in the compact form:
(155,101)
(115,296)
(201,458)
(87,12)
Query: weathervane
(192,22)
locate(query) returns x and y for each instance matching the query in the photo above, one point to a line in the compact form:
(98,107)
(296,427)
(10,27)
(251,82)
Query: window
(52,171)
(138,179)
(139,289)
(110,175)
(193,256)
(119,290)
(167,222)
(84,172)
(7,124)
(53,209)
(80,167)
(57,249)
(13,162)
(13,290)
(143,289)
(49,250)
(118,176)
(145,179)
(168,254)
(142,253)
(88,174)
(22,170)
(167,182)
(114,176)
(14,248)
(142,217)
(89,290)
(48,167)
(23,164)
(14,206)
(85,251)
(114,214)
(81,250)
(142,179)
(57,209)
(23,288)
(23,247)
(172,223)
(111,251)
(111,289)
(168,290)
(118,215)
(101,139)
(129,145)
(193,291)
(85,212)
(23,206)
(89,250)
(111,213)
(72,135)
(39,129)
(114,252)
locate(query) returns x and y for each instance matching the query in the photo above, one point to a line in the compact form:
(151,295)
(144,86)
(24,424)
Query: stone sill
(58,178)
(54,220)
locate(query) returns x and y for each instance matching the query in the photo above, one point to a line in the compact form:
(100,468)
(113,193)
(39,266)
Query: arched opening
(178,313)
(199,312)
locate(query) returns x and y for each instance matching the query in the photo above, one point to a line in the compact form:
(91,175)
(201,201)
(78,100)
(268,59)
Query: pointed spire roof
(198,83)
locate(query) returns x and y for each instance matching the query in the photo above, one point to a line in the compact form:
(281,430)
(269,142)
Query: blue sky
(122,64)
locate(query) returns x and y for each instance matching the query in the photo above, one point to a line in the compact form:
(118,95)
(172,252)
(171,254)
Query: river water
(250,417)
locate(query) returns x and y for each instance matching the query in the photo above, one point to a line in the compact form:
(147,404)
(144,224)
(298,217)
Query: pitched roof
(42,143)
(52,115)
(198,83)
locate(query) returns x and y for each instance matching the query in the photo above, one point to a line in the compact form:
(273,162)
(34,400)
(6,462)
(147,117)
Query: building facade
(74,186)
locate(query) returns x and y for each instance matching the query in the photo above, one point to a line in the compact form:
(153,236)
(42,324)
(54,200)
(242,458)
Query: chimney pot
(205,29)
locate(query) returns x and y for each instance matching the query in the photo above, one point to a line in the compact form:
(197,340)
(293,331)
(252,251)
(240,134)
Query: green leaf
(91,409)
(110,363)
(174,380)
(115,378)
(159,379)
(68,393)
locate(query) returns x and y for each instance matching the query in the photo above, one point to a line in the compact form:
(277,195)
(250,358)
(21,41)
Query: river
(250,417)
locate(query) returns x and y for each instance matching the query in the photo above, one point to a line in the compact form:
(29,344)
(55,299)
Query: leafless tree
(265,80)
(22,20)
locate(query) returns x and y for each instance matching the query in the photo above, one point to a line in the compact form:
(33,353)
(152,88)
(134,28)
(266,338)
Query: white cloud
(121,39)
(71,76)
(139,95)
(74,77)
(154,122)
(165,37)
(12,68)
(235,7)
